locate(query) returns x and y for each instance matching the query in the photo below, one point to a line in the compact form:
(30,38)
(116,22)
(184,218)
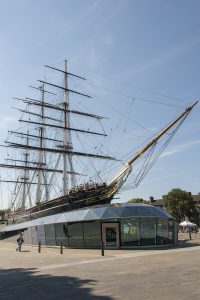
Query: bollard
(39,247)
(102,248)
(61,248)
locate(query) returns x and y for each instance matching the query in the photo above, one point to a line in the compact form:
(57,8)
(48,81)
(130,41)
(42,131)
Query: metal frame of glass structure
(117,225)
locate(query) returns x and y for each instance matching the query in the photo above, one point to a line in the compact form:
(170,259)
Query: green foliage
(136,200)
(180,204)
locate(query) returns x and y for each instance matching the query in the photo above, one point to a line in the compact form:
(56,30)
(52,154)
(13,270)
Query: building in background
(161,203)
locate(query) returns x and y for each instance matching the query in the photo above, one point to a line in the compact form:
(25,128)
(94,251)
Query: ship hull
(102,195)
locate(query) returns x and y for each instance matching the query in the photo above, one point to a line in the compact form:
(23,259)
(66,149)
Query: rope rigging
(57,147)
(140,88)
(150,159)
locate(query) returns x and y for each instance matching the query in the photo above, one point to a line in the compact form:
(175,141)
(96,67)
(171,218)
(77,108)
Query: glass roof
(99,212)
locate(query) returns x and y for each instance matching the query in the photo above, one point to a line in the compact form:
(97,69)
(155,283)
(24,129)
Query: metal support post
(61,248)
(102,248)
(39,247)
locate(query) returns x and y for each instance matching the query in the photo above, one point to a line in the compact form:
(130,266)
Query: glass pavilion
(121,225)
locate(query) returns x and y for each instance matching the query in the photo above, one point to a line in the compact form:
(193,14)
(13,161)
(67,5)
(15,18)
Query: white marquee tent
(187,223)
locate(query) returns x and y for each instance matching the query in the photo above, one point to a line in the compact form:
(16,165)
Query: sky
(129,51)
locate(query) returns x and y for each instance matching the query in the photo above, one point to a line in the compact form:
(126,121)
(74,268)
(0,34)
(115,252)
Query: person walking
(20,241)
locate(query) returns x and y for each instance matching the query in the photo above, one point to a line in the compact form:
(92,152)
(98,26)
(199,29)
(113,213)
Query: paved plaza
(85,274)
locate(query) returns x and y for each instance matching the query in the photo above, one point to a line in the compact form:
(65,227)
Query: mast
(65,132)
(143,150)
(67,138)
(54,152)
(126,170)
(43,145)
(40,156)
(25,177)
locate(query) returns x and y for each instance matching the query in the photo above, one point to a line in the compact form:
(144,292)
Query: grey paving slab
(83,274)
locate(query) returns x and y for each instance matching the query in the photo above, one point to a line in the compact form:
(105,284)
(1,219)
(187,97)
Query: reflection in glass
(41,234)
(111,237)
(92,234)
(29,236)
(162,231)
(75,233)
(171,231)
(130,234)
(34,235)
(148,231)
(50,234)
(61,234)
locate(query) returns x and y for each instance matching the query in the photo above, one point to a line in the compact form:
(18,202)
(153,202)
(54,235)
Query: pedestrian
(20,241)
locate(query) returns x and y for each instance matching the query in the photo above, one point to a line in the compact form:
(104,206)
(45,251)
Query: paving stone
(169,274)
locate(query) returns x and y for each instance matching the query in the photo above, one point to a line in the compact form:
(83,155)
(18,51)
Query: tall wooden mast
(168,127)
(25,177)
(67,144)
(40,172)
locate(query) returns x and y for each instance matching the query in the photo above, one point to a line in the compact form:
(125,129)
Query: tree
(136,200)
(180,204)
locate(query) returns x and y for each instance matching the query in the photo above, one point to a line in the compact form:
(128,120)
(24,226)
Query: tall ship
(47,160)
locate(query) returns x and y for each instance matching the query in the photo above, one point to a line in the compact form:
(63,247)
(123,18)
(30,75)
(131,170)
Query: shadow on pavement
(25,284)
(187,243)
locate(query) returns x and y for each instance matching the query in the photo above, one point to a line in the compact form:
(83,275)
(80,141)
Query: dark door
(110,233)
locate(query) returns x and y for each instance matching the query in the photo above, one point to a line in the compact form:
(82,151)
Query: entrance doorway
(110,235)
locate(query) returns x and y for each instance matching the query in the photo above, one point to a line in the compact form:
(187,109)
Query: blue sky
(118,46)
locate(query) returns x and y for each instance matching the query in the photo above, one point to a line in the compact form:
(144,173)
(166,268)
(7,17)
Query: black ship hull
(81,199)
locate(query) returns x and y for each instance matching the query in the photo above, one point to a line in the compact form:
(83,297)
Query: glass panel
(171,231)
(50,234)
(61,234)
(34,235)
(11,236)
(75,231)
(162,231)
(148,231)
(130,234)
(41,234)
(111,236)
(29,236)
(92,234)
(25,236)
